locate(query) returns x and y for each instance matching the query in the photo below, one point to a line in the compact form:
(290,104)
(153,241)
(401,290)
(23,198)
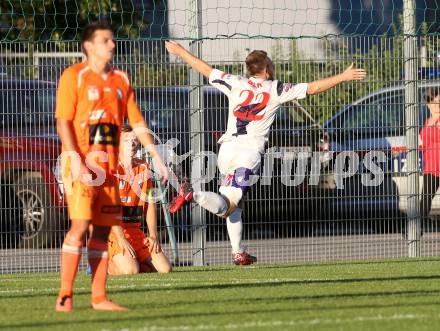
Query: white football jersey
(253,104)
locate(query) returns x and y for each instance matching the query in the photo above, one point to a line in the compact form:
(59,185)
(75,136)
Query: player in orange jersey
(130,251)
(92,101)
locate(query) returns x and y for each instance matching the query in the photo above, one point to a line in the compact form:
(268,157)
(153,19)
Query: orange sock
(98,260)
(70,258)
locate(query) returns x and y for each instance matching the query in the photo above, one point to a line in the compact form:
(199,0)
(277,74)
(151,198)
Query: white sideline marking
(170,282)
(55,289)
(266,324)
(160,284)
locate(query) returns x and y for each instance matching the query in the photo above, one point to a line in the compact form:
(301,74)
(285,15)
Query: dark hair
(89,30)
(432,92)
(256,62)
(128,128)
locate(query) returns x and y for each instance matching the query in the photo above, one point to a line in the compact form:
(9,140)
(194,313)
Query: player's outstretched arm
(176,49)
(349,74)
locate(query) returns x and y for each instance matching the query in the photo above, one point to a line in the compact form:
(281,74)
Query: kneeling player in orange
(130,250)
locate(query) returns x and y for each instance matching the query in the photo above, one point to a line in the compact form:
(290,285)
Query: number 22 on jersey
(252,105)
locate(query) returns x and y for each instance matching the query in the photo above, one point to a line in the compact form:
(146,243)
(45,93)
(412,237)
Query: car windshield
(382,114)
(27,107)
(164,111)
(169,110)
(386,113)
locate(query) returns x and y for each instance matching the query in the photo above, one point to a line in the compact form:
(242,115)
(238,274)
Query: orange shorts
(135,237)
(100,204)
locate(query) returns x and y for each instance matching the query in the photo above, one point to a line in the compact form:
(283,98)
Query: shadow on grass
(241,285)
(296,298)
(346,263)
(128,317)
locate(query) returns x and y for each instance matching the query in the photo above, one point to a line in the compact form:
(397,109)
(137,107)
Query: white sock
(235,228)
(211,201)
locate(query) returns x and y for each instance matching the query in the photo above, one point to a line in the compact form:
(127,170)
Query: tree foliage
(39,20)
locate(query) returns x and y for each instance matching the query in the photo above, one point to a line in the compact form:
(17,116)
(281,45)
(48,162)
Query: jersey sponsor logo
(93,93)
(132,214)
(287,87)
(111,209)
(104,134)
(97,114)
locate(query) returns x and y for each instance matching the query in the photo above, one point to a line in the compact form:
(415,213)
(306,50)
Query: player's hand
(126,247)
(153,245)
(161,170)
(353,74)
(174,47)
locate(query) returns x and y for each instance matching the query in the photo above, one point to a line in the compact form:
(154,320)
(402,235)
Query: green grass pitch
(386,295)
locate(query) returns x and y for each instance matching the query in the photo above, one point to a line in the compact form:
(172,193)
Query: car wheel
(38,217)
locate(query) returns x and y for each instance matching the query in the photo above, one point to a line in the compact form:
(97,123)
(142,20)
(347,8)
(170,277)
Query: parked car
(376,123)
(31,205)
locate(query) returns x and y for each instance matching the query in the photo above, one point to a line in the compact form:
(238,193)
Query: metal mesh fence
(333,181)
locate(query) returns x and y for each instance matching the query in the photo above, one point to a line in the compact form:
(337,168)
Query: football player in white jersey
(253,103)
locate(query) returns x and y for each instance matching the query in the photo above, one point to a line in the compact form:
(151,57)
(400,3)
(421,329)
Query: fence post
(412,128)
(196,132)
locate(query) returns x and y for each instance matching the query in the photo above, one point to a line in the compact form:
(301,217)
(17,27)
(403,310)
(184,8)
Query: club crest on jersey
(93,93)
(287,87)
(119,93)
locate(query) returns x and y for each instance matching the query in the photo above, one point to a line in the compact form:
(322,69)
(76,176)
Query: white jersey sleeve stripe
(80,74)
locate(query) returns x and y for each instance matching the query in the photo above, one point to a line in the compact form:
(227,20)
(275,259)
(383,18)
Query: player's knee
(78,229)
(232,194)
(119,265)
(129,269)
(204,199)
(165,269)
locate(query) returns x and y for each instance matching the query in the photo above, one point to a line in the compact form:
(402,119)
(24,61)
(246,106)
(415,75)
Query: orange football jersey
(97,105)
